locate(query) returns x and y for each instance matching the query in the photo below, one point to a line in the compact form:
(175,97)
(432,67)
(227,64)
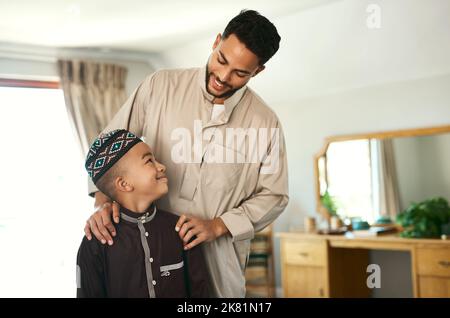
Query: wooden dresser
(335,266)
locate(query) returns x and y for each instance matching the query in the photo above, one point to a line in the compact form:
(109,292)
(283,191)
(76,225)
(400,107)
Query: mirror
(373,175)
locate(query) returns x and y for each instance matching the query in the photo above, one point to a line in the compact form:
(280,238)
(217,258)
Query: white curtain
(385,184)
(93,93)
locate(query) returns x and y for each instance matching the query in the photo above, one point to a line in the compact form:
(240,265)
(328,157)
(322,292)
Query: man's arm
(267,202)
(270,198)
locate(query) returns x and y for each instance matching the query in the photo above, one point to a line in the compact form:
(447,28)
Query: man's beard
(224,95)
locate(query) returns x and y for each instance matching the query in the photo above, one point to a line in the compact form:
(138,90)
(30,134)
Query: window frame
(11,82)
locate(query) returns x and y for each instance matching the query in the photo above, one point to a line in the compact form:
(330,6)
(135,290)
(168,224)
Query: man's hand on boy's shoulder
(100,223)
(203,230)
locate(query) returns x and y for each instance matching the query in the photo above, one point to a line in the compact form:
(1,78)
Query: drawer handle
(446,264)
(304,254)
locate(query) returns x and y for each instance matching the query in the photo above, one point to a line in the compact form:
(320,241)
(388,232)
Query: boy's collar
(135,217)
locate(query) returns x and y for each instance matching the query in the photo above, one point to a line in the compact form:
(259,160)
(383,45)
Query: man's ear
(217,41)
(259,69)
(121,184)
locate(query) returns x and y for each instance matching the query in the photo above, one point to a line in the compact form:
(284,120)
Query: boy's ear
(121,184)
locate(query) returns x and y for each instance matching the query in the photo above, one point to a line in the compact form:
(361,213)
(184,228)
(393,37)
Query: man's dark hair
(257,33)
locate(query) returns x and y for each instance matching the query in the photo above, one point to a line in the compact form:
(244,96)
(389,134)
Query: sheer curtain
(93,93)
(386,194)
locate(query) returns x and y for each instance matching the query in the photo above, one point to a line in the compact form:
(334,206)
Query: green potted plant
(329,203)
(426,219)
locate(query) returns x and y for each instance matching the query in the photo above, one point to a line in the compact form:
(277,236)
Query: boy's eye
(221,62)
(241,75)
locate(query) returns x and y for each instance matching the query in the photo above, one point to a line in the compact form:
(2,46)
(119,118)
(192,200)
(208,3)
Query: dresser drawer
(433,261)
(305,253)
(435,287)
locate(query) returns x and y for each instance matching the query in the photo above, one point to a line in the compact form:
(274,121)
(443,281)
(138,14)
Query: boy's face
(144,176)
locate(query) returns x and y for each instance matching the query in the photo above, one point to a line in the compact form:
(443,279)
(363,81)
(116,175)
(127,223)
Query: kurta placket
(144,237)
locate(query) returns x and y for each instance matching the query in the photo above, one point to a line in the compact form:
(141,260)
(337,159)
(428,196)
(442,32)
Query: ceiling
(133,25)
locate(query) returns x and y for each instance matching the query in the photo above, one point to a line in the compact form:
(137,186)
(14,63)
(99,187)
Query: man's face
(144,173)
(230,67)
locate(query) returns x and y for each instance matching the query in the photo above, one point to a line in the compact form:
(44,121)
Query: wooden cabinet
(304,281)
(305,253)
(433,261)
(335,266)
(436,287)
(433,268)
(304,268)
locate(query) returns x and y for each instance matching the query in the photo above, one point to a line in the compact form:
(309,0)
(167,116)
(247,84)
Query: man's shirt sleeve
(270,197)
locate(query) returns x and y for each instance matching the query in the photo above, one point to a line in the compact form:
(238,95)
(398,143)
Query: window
(349,173)
(44,202)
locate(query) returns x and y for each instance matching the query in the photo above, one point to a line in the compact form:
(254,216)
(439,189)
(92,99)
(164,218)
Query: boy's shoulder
(92,247)
(167,217)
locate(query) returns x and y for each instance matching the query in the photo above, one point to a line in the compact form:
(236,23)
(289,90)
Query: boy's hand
(100,223)
(204,230)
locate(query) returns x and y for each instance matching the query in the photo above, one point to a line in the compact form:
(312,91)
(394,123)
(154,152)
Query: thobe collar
(229,103)
(135,217)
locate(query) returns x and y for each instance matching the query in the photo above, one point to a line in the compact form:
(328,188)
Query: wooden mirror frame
(378,135)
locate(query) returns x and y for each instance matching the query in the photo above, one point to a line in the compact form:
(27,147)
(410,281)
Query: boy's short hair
(106,182)
(103,155)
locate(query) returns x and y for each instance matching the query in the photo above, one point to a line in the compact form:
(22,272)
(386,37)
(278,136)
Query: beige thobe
(166,108)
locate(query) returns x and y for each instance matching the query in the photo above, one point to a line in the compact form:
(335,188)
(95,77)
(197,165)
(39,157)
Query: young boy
(147,258)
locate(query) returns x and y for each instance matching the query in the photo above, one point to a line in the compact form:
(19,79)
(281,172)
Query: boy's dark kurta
(146,260)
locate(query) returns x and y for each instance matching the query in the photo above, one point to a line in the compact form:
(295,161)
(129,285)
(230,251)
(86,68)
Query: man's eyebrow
(147,154)
(226,61)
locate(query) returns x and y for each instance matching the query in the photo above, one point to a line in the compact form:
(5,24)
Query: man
(184,115)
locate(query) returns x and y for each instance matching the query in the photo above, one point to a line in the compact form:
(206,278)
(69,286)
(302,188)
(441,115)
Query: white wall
(407,162)
(334,76)
(435,162)
(422,168)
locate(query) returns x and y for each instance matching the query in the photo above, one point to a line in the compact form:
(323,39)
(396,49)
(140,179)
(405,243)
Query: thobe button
(151,260)
(154,282)
(146,234)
